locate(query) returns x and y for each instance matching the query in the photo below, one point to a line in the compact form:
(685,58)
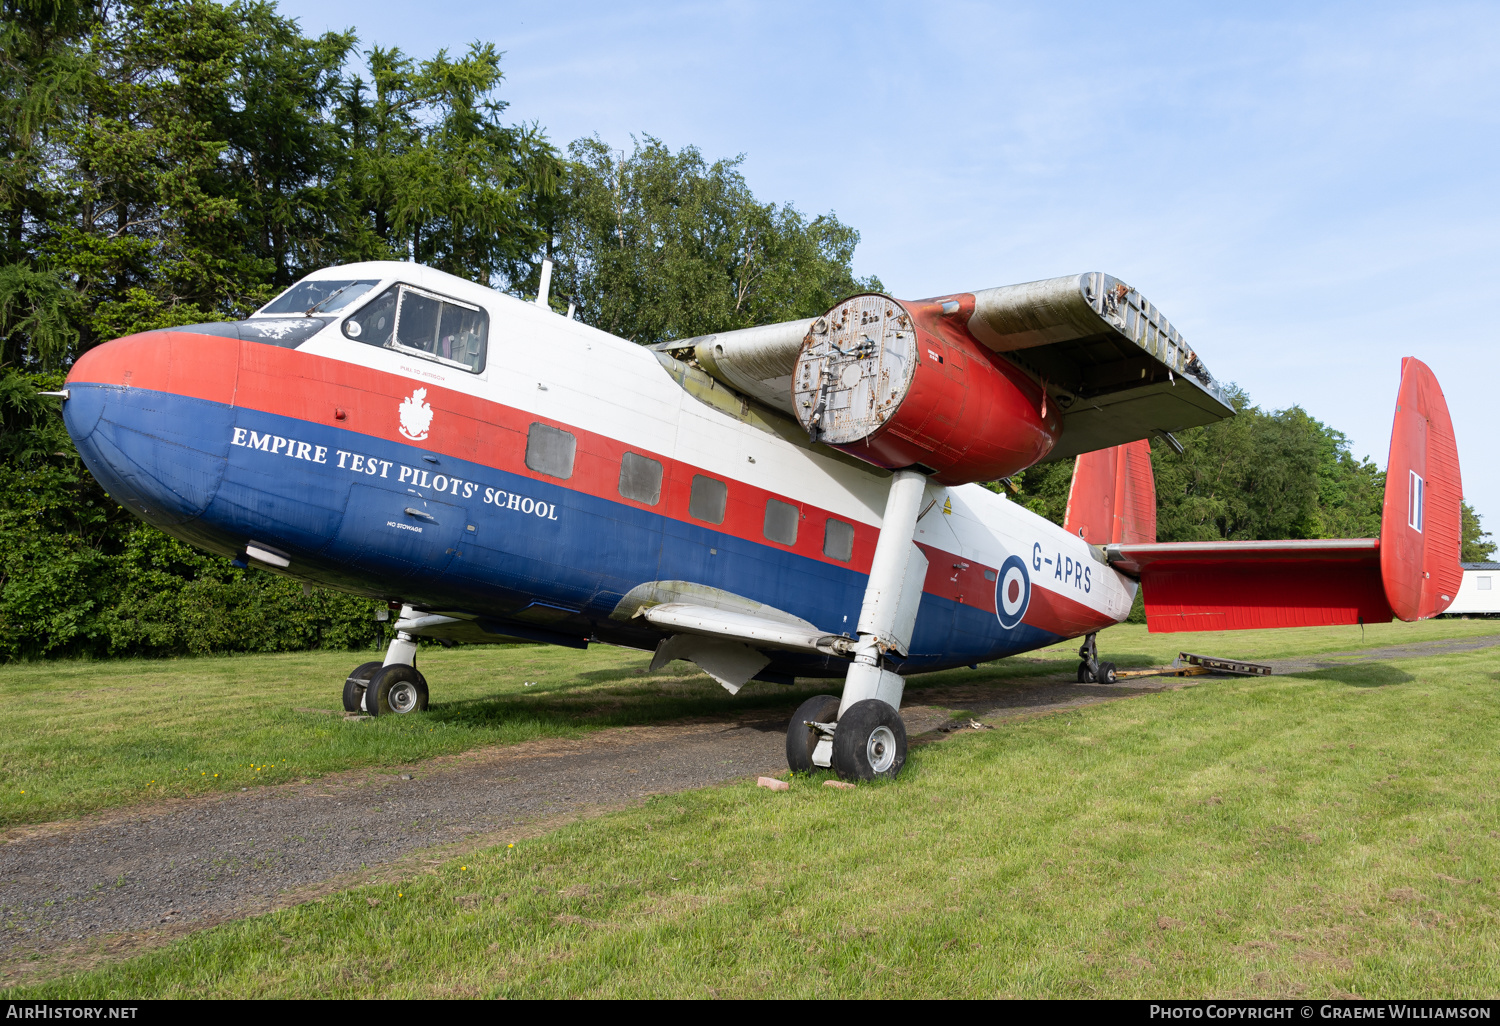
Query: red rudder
(1113,496)
(1421,524)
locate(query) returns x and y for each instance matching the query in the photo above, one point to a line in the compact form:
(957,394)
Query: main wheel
(802,739)
(398,689)
(355,684)
(1107,673)
(1084,676)
(870,741)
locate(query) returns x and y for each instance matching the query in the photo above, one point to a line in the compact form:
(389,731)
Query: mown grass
(1328,833)
(79,736)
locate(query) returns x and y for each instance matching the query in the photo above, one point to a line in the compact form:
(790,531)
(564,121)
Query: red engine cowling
(902,384)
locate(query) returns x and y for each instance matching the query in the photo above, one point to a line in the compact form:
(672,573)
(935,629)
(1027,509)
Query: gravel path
(198,861)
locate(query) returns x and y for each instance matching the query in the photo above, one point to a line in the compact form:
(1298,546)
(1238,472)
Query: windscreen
(324,295)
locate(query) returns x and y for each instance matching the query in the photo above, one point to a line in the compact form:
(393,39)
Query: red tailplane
(1411,571)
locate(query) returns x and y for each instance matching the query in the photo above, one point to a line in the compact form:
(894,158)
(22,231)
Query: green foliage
(183,161)
(659,245)
(1478,545)
(1256,475)
(80,576)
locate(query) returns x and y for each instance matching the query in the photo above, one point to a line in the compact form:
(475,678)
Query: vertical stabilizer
(1421,524)
(1113,496)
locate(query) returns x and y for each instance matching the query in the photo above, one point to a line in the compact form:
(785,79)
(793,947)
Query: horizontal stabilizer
(1411,571)
(1229,585)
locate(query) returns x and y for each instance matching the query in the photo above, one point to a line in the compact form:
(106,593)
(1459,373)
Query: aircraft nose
(142,411)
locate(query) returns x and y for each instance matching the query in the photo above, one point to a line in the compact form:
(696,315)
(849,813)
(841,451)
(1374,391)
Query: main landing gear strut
(861,735)
(394,687)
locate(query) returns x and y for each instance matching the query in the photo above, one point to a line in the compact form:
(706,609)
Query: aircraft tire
(355,684)
(1084,676)
(396,690)
(870,742)
(1107,674)
(802,739)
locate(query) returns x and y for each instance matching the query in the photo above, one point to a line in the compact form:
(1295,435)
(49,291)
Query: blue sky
(1306,190)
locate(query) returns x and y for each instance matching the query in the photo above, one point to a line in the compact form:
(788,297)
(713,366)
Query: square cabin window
(707,499)
(550,451)
(640,479)
(838,540)
(781,522)
(1482,583)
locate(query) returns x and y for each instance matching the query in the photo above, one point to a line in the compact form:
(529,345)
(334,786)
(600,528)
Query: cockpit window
(325,295)
(416,321)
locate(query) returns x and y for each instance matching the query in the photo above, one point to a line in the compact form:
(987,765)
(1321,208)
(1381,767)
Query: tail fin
(1421,524)
(1113,496)
(1411,571)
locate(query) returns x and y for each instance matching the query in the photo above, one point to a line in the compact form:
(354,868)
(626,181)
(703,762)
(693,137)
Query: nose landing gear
(394,686)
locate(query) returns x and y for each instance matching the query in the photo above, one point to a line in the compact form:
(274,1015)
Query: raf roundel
(1012,592)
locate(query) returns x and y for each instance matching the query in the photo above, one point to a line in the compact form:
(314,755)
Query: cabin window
(707,499)
(989,575)
(411,320)
(325,296)
(640,479)
(550,451)
(1482,583)
(781,522)
(838,540)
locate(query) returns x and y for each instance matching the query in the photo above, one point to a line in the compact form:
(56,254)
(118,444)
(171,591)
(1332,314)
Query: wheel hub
(402,698)
(880,749)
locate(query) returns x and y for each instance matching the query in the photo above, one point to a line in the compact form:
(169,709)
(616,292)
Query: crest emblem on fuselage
(416,415)
(1012,592)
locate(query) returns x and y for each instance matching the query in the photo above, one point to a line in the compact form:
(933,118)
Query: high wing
(1111,364)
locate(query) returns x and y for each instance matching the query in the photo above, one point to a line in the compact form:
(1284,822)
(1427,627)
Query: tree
(1478,546)
(1253,476)
(657,245)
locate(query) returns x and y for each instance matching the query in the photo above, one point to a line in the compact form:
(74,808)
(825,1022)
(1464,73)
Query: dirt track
(193,862)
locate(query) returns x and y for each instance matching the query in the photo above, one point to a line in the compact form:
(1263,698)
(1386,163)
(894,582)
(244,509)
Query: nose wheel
(396,690)
(380,690)
(355,685)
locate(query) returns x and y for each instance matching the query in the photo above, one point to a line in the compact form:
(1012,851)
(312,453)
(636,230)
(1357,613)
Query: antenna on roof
(546,285)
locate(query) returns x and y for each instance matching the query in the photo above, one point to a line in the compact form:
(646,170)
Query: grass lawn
(76,737)
(1328,833)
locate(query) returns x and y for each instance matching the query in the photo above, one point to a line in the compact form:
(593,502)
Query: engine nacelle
(903,384)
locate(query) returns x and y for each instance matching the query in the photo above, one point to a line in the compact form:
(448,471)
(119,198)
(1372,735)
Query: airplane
(800,499)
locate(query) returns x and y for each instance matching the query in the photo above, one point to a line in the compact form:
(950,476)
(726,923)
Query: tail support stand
(1089,653)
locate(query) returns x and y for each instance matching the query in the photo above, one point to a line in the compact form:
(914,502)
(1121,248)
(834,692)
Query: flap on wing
(1245,585)
(1115,365)
(756,631)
